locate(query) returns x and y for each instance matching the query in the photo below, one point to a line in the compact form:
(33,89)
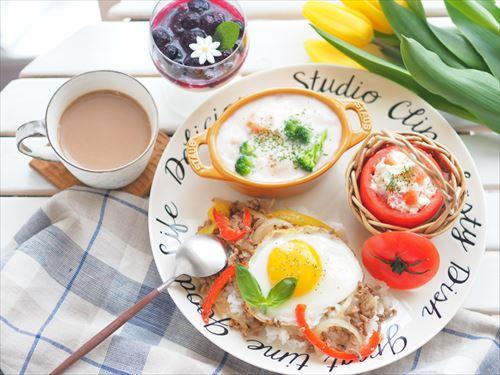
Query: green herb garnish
(243,165)
(295,130)
(250,290)
(309,158)
(405,175)
(227,34)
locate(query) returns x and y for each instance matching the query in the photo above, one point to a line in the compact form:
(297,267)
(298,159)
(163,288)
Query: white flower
(205,50)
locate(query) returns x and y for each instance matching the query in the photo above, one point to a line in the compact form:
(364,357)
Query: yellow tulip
(373,10)
(343,22)
(321,51)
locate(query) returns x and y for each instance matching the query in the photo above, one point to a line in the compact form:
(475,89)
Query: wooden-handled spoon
(199,256)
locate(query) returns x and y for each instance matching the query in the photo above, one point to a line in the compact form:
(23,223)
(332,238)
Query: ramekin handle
(193,156)
(364,119)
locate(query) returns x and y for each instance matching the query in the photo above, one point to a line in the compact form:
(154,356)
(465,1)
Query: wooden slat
(124,46)
(254,9)
(485,294)
(16,177)
(485,149)
(14,213)
(493,221)
(26,99)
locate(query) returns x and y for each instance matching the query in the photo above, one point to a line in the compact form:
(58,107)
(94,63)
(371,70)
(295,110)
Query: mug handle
(364,120)
(34,129)
(193,157)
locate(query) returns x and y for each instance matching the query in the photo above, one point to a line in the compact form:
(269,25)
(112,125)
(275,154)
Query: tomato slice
(378,206)
(402,260)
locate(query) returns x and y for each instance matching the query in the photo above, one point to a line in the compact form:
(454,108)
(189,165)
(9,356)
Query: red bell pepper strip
(228,233)
(247,218)
(219,284)
(365,351)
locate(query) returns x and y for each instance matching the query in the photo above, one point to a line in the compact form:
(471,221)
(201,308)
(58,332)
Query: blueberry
(191,61)
(161,36)
(189,37)
(176,23)
(225,55)
(198,6)
(172,52)
(190,21)
(210,21)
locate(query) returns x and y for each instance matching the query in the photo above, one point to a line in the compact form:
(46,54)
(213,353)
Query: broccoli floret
(243,165)
(309,158)
(246,149)
(296,131)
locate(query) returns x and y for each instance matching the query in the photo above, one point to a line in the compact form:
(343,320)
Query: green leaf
(281,292)
(475,90)
(249,287)
(394,73)
(387,39)
(491,6)
(484,41)
(417,7)
(227,34)
(460,46)
(453,40)
(405,22)
(476,13)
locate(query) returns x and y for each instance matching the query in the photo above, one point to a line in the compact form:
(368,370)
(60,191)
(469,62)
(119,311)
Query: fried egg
(326,270)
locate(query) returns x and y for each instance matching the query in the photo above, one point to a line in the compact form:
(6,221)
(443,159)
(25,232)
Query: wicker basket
(452,186)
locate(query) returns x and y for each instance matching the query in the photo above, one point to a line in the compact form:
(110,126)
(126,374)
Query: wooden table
(276,38)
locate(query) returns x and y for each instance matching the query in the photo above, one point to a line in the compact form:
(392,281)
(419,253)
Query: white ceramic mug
(62,98)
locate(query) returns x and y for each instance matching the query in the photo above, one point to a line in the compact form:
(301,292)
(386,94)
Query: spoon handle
(109,329)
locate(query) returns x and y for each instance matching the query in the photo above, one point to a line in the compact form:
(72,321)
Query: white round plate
(180,199)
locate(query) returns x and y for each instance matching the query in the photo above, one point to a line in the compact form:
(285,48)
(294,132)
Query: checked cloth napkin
(85,257)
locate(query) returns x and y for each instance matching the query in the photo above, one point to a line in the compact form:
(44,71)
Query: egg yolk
(297,259)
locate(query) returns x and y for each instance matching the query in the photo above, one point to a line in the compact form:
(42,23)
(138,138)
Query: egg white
(340,275)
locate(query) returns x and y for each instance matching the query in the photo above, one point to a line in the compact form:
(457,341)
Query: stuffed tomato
(397,191)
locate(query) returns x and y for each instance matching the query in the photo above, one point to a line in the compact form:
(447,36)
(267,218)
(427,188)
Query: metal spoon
(199,256)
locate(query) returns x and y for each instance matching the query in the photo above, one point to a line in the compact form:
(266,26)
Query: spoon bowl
(200,256)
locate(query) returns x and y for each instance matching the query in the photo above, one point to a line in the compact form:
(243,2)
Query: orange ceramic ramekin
(218,171)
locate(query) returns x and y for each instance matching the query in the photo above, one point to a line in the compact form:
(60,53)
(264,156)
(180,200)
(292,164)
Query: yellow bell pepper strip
(220,205)
(296,218)
(321,51)
(365,351)
(219,284)
(345,23)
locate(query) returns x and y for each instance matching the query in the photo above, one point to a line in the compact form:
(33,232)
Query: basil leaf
(227,34)
(281,292)
(249,287)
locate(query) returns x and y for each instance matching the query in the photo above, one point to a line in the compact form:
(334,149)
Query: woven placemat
(57,174)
